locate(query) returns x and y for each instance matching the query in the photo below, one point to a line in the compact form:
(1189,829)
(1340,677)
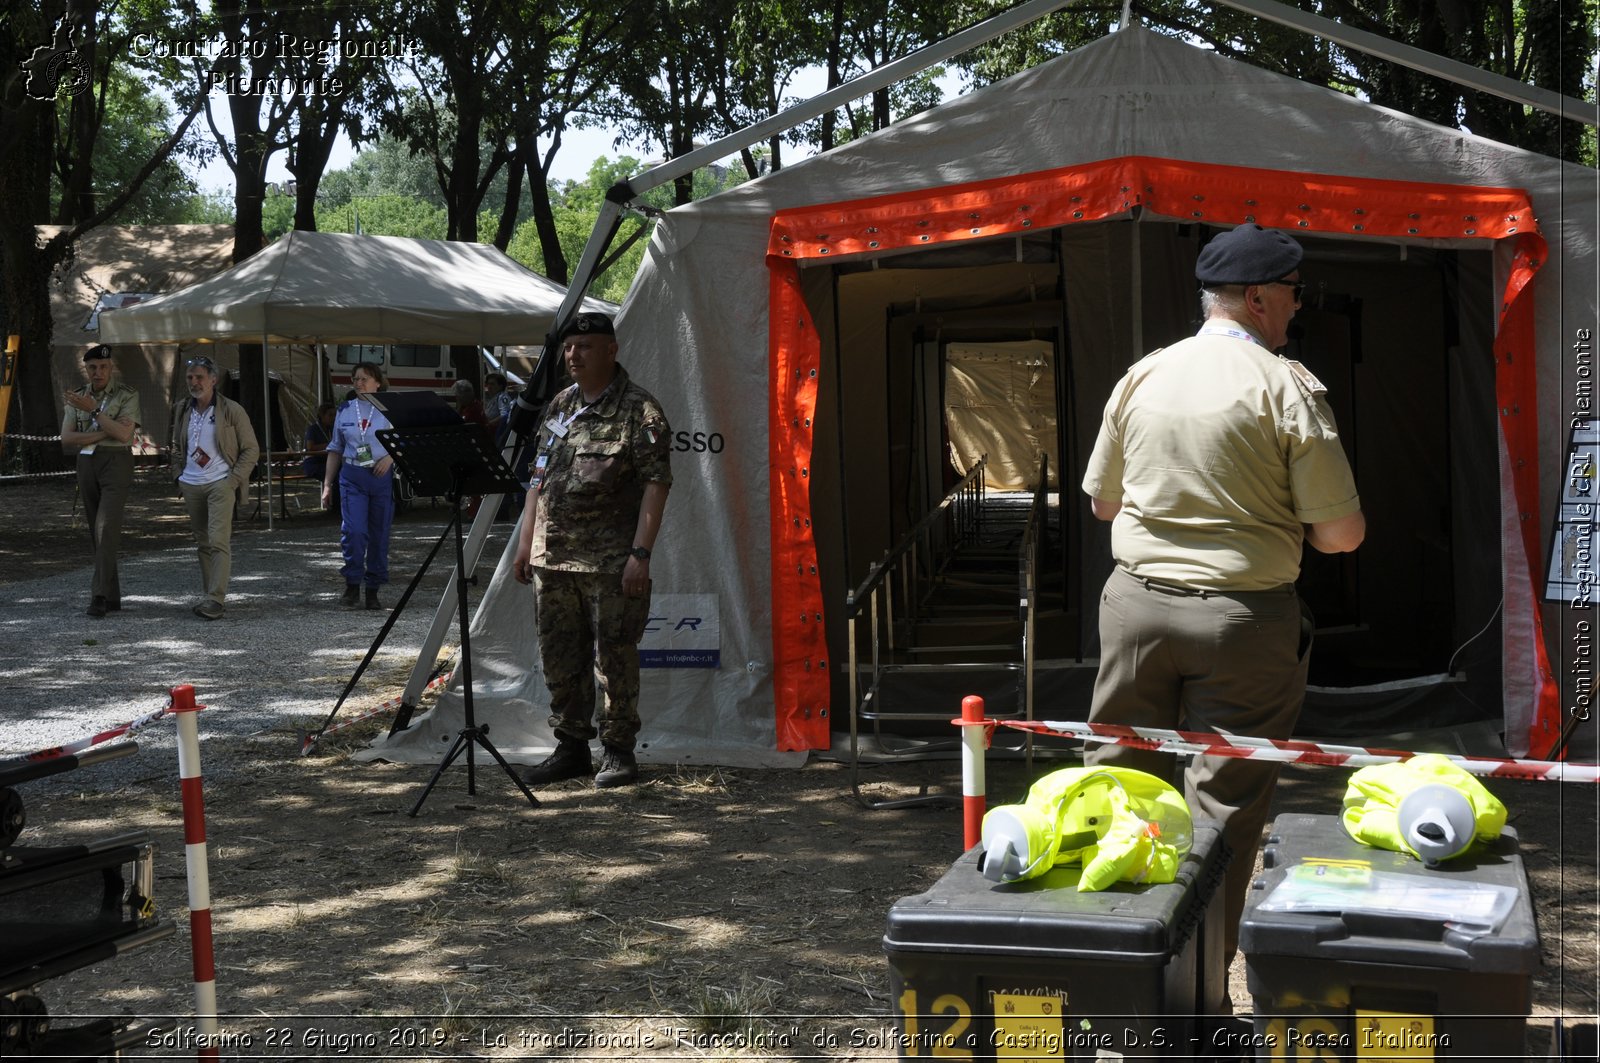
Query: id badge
(557,429)
(364,455)
(200,458)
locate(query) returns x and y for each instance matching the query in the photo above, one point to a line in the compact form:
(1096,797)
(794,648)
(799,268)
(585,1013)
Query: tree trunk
(544,223)
(250,189)
(36,403)
(26,131)
(461,197)
(508,213)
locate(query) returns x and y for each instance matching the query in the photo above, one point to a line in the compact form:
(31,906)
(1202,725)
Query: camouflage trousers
(588,627)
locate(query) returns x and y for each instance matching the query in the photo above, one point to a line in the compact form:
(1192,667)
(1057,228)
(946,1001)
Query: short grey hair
(1227,298)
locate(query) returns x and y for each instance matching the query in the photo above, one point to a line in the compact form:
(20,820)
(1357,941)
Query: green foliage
(384,214)
(208,208)
(386,166)
(575,205)
(136,121)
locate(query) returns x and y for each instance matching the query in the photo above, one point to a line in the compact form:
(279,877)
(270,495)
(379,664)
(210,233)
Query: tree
(331,47)
(136,123)
(770,42)
(665,94)
(449,109)
(57,67)
(577,205)
(565,57)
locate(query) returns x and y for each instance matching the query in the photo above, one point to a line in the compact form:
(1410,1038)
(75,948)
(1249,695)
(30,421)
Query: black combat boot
(372,598)
(617,768)
(352,595)
(569,761)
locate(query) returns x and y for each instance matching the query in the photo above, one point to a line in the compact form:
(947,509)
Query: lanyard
(197,422)
(574,416)
(1224,330)
(363,421)
(560,427)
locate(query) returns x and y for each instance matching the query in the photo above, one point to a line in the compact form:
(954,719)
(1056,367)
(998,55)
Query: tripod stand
(456,460)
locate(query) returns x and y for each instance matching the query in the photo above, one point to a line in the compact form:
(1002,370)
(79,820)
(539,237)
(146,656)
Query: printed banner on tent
(684,632)
(1573,556)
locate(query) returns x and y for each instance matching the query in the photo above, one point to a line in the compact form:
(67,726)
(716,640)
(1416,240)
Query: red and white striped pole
(194,853)
(974,793)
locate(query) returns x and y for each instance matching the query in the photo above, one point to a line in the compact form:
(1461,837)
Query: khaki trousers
(104,479)
(1229,661)
(210,509)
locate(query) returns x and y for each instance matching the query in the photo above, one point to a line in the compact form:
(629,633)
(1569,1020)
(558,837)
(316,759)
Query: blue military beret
(1247,255)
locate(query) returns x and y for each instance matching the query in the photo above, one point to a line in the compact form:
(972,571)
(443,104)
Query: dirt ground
(704,914)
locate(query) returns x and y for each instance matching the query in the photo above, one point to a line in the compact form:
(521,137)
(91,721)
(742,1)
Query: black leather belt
(1179,591)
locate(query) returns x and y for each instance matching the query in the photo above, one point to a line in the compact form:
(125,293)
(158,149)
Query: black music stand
(456,460)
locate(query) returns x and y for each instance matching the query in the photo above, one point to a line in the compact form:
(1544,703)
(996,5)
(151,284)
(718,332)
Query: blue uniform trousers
(366,510)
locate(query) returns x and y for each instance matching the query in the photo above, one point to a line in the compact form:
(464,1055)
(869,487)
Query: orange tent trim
(1324,204)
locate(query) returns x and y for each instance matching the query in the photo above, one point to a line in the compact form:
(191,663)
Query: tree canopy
(462,106)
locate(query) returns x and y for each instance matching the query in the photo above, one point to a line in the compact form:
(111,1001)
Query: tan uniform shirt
(1218,451)
(119,401)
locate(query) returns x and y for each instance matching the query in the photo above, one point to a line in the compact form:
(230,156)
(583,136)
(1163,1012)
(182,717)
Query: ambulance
(406,366)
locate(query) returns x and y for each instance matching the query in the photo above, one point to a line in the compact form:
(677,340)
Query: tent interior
(1011,345)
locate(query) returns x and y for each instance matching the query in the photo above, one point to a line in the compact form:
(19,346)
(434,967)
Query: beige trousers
(211,518)
(1225,661)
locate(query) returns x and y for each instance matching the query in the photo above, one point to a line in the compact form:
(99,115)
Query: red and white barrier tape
(81,744)
(1293,751)
(310,740)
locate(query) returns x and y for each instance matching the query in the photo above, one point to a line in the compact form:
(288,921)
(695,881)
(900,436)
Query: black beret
(1247,255)
(589,324)
(97,352)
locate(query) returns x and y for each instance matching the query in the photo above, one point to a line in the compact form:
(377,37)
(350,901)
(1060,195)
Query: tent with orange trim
(799,329)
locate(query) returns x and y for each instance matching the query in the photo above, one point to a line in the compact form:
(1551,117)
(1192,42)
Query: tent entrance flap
(1421,394)
(1000,402)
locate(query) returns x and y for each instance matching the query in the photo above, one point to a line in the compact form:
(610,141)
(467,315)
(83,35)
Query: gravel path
(278,659)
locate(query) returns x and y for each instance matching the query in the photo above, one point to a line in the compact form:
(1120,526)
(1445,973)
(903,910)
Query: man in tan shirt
(100,420)
(1215,460)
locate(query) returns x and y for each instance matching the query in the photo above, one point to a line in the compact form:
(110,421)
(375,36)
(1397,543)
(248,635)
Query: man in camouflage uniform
(598,487)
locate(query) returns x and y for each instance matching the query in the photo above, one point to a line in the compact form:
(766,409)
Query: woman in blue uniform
(364,474)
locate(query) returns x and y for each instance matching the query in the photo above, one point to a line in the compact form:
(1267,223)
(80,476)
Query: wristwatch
(640,552)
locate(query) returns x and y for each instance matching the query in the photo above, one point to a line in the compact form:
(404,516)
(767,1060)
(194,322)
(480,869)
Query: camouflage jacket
(591,480)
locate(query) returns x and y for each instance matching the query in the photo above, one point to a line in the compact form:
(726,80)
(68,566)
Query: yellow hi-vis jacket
(1119,823)
(1374,795)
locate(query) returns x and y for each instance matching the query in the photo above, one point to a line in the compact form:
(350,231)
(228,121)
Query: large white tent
(1453,299)
(343,288)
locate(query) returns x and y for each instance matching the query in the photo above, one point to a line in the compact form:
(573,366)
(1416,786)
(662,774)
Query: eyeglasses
(1298,286)
(203,362)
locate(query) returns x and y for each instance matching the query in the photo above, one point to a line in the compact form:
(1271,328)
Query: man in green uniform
(598,487)
(1216,458)
(101,418)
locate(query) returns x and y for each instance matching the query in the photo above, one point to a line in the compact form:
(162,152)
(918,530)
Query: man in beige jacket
(214,450)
